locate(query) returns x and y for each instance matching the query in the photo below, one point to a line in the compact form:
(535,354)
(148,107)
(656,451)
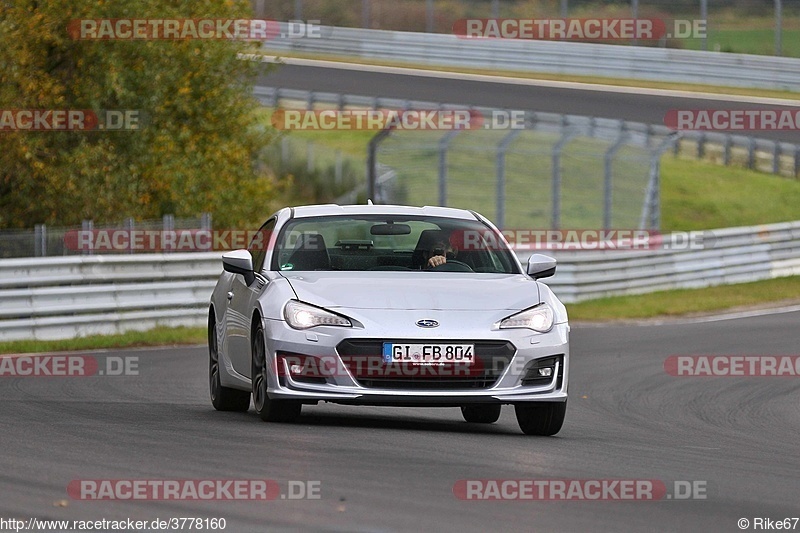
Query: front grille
(364,360)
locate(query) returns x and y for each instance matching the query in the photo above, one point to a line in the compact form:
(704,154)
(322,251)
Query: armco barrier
(63,297)
(50,298)
(554,57)
(731,255)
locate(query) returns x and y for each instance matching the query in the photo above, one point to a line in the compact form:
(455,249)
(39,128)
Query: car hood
(415,290)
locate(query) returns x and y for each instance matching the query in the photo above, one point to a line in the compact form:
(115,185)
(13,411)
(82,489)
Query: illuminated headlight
(303,316)
(539,318)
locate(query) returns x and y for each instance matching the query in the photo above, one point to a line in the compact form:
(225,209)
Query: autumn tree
(196,147)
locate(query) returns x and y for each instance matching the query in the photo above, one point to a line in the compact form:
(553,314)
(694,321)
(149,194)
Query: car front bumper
(342,386)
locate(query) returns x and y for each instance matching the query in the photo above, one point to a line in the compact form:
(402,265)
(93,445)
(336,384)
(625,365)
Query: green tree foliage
(196,149)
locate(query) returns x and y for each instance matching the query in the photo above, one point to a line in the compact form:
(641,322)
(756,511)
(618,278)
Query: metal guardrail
(49,298)
(64,297)
(554,57)
(727,256)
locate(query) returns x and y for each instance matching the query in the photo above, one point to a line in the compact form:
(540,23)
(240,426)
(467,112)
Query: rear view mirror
(390,229)
(239,262)
(541,266)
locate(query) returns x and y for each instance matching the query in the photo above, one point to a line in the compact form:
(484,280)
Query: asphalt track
(640,105)
(392,469)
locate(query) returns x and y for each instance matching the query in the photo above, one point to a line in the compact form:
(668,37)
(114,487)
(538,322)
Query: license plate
(428,354)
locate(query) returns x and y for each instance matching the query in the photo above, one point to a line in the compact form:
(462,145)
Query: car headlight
(300,315)
(538,318)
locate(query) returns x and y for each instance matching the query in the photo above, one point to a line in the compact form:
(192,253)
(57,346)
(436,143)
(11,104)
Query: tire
(540,418)
(487,413)
(269,410)
(222,398)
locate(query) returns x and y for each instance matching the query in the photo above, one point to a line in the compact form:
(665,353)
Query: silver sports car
(387,305)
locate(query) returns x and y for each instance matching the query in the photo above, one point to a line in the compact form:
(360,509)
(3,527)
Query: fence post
(701,145)
(704,17)
(372,160)
(495,9)
(651,210)
(310,156)
(566,136)
(259,9)
(444,145)
(797,160)
(365,9)
(167,228)
(88,225)
(40,240)
(128,224)
(429,16)
(607,178)
(726,157)
(776,158)
(778,26)
(751,153)
(501,176)
(298,9)
(205,221)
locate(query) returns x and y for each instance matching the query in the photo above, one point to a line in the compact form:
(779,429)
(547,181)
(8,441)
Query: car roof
(333,209)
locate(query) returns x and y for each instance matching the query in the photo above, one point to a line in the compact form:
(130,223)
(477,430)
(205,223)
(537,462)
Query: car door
(241,302)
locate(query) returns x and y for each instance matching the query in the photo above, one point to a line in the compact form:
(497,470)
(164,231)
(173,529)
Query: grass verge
(754,40)
(687,302)
(162,336)
(700,195)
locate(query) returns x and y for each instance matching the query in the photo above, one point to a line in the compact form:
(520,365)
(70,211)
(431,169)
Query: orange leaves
(193,153)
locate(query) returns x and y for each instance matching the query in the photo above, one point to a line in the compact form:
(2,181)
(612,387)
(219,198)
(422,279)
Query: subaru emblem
(427,323)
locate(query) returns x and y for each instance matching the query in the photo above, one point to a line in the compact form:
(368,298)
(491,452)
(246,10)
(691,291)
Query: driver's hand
(436,260)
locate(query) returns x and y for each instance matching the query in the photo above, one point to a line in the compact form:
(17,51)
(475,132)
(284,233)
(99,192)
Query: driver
(440,251)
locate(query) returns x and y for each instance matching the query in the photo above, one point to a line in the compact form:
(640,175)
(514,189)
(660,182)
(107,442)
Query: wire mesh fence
(124,236)
(549,176)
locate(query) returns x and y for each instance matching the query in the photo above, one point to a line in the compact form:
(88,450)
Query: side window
(258,246)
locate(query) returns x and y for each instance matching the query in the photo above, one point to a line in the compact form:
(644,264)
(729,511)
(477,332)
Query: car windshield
(400,243)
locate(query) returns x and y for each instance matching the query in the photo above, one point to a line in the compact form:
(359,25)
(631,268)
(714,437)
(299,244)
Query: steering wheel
(452,266)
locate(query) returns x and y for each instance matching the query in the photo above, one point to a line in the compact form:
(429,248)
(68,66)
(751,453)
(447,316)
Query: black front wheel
(222,398)
(541,418)
(269,410)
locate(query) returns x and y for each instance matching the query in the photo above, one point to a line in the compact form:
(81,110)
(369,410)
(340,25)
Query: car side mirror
(541,266)
(239,262)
